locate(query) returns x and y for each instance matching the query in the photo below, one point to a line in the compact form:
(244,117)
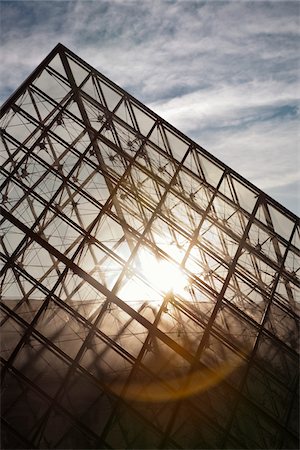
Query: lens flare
(177,388)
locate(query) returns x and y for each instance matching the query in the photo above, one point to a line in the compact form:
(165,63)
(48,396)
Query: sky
(225,73)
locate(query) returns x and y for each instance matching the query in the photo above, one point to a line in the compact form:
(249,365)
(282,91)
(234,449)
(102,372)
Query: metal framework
(149,294)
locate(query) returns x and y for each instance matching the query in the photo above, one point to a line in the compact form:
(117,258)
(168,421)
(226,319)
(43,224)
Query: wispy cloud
(228,105)
(224,72)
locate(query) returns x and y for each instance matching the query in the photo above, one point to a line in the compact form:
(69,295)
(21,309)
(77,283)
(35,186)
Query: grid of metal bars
(96,351)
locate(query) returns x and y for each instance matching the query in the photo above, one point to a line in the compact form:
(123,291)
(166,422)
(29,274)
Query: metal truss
(149,294)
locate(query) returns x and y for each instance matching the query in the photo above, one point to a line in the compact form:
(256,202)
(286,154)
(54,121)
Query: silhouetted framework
(149,294)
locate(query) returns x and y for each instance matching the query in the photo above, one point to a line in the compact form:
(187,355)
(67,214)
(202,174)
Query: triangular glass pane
(159,139)
(12,291)
(144,121)
(282,224)
(20,128)
(12,328)
(79,72)
(191,163)
(91,87)
(111,97)
(51,85)
(177,146)
(124,114)
(74,109)
(261,215)
(227,189)
(246,197)
(296,238)
(211,171)
(26,104)
(57,65)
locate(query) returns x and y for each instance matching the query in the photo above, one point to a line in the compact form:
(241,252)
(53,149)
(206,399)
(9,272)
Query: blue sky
(226,73)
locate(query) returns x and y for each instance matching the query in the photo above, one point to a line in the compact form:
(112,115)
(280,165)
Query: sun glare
(157,277)
(163,275)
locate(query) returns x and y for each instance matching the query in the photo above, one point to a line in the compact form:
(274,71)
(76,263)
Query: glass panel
(95,117)
(293,420)
(215,403)
(51,85)
(282,225)
(225,363)
(124,113)
(257,429)
(132,430)
(46,372)
(228,216)
(63,330)
(55,429)
(296,238)
(19,127)
(57,65)
(24,408)
(283,365)
(16,286)
(292,264)
(92,88)
(61,236)
(192,189)
(40,264)
(78,71)
(246,197)
(211,171)
(265,242)
(111,97)
(284,326)
(256,270)
(288,294)
(186,217)
(126,332)
(80,297)
(134,213)
(148,190)
(192,429)
(30,104)
(11,238)
(177,145)
(75,437)
(267,393)
(188,336)
(246,297)
(145,122)
(236,329)
(11,334)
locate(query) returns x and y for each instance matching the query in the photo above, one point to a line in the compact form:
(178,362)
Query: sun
(153,278)
(162,274)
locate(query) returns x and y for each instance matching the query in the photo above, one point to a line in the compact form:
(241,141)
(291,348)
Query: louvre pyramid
(149,294)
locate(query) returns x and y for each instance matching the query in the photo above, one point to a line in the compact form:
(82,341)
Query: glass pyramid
(149,294)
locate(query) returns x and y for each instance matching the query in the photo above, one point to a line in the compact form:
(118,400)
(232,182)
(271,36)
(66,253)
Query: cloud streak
(224,72)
